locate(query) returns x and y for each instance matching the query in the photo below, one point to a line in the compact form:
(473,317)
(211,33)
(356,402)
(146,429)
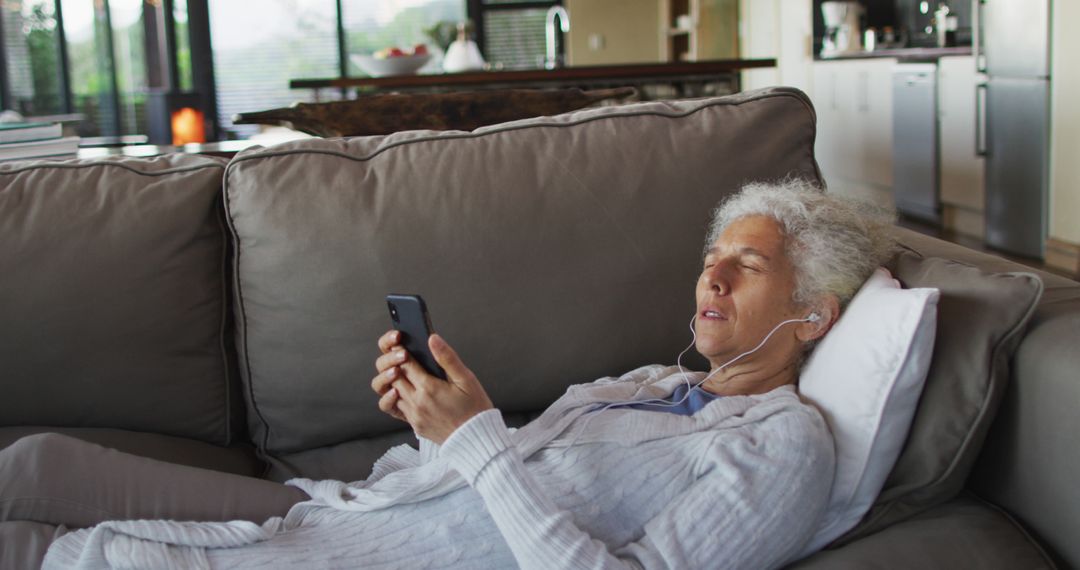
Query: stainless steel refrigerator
(1012,45)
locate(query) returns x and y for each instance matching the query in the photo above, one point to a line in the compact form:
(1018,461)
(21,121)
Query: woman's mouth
(712,314)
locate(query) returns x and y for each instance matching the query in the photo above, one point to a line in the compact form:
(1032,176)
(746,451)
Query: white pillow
(865,376)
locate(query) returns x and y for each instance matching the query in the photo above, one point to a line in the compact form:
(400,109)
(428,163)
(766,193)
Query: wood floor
(885,200)
(978,245)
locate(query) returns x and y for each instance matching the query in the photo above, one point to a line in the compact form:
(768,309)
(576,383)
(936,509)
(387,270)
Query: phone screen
(410,317)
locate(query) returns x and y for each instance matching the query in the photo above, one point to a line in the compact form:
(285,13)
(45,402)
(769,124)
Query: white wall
(759,37)
(781,29)
(629,31)
(795,54)
(1065,123)
(717,33)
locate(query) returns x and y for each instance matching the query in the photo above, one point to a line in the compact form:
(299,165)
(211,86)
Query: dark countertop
(532,76)
(905,54)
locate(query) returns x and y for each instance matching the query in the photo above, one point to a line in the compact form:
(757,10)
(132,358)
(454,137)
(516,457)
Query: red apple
(419,49)
(395,52)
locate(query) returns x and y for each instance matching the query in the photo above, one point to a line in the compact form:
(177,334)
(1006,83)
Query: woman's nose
(717,280)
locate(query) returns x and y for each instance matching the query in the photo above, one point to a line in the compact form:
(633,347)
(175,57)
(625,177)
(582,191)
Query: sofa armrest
(1030,459)
(239,459)
(963,533)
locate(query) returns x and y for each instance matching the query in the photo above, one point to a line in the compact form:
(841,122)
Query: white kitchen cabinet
(831,102)
(962,170)
(854,147)
(854,144)
(874,117)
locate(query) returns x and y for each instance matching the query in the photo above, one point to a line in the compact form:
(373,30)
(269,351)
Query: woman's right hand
(393,355)
(435,408)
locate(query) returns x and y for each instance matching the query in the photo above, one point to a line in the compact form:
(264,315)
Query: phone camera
(394,313)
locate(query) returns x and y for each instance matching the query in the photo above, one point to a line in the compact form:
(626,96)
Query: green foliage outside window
(32,68)
(42,41)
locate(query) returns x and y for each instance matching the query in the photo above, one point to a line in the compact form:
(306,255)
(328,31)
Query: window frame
(5,89)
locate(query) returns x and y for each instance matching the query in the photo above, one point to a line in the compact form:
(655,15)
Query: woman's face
(745,289)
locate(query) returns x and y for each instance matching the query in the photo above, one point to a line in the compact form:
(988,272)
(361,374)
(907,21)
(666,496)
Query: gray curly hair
(833,243)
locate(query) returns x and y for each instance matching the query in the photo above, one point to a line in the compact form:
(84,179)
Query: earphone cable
(662,402)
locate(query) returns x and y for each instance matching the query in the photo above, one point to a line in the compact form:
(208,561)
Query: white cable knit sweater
(742,483)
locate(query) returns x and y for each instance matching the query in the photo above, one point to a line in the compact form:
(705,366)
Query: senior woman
(660,468)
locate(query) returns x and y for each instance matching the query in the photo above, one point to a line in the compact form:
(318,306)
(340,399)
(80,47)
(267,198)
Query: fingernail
(391,372)
(399,355)
(437,341)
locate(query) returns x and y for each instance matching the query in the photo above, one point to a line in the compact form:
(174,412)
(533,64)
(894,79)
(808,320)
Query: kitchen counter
(572,76)
(908,55)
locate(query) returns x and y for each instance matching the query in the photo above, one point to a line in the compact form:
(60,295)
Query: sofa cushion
(23,543)
(981,318)
(963,533)
(239,458)
(550,251)
(113,296)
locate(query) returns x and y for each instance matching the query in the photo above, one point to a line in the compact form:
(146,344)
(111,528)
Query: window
(104,59)
(512,32)
(129,60)
(107,64)
(371,25)
(515,39)
(93,89)
(259,47)
(185,76)
(32,48)
(80,56)
(257,51)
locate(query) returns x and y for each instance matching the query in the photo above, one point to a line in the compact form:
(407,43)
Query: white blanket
(615,496)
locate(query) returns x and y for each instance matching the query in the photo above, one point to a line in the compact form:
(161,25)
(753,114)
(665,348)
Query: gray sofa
(224,314)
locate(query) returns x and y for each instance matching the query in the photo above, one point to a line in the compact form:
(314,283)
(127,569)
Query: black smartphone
(410,316)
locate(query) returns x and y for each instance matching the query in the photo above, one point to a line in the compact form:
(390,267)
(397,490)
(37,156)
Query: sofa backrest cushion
(981,319)
(113,296)
(550,251)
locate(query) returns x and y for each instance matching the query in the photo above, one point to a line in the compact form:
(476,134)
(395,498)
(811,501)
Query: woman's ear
(827,311)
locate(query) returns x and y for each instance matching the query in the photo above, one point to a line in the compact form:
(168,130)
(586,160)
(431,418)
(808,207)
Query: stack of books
(34,140)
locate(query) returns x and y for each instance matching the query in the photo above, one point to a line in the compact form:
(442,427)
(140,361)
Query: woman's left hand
(435,408)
